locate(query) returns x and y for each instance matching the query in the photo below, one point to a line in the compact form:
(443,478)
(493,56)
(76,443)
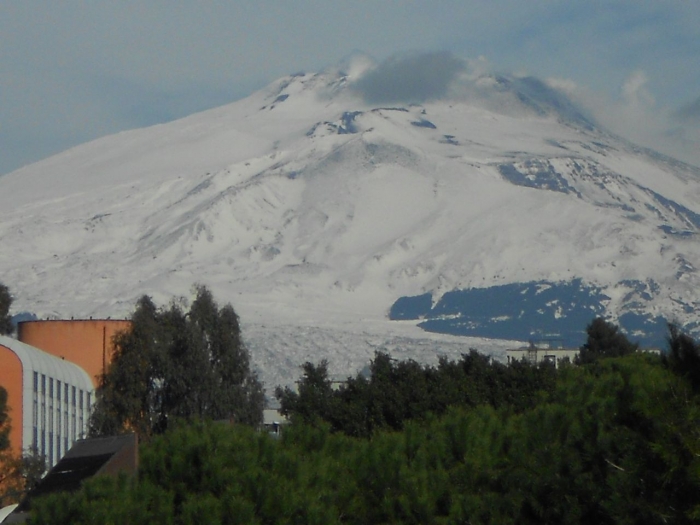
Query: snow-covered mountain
(497,208)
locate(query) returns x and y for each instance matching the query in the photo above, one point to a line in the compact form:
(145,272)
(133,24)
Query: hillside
(314,210)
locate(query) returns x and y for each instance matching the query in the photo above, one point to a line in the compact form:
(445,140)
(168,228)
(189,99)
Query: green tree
(401,391)
(313,400)
(604,340)
(683,356)
(17,473)
(176,365)
(6,326)
(613,442)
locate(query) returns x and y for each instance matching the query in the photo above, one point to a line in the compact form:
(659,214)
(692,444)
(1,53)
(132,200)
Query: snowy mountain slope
(304,205)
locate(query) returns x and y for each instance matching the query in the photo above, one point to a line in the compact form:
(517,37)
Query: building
(542,351)
(48,398)
(553,352)
(50,373)
(273,420)
(85,342)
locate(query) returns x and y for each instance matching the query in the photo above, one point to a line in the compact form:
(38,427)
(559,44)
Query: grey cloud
(410,78)
(689,113)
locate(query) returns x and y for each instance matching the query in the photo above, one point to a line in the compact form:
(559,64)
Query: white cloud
(636,115)
(565,85)
(635,94)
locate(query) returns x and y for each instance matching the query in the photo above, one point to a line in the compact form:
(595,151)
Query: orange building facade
(49,399)
(12,380)
(85,342)
(50,373)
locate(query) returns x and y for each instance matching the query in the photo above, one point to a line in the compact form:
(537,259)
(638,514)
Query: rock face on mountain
(495,210)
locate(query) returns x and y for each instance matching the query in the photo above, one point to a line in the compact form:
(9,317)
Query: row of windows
(60,413)
(76,394)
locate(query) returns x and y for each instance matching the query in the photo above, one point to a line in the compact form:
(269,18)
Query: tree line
(396,392)
(614,440)
(173,364)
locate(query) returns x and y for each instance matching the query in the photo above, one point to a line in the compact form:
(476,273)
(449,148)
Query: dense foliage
(17,473)
(683,356)
(397,392)
(604,340)
(613,442)
(6,326)
(178,365)
(616,440)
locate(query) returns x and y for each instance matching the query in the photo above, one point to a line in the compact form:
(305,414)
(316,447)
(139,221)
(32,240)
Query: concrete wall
(85,342)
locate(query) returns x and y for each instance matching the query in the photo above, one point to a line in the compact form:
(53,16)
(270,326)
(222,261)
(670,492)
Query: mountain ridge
(306,197)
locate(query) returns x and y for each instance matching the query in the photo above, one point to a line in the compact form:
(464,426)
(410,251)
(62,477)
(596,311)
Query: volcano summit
(485,205)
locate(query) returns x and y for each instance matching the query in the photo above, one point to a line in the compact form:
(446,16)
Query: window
(82,414)
(42,419)
(50,404)
(35,412)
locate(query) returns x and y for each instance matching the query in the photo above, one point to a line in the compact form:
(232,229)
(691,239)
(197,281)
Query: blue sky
(72,71)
